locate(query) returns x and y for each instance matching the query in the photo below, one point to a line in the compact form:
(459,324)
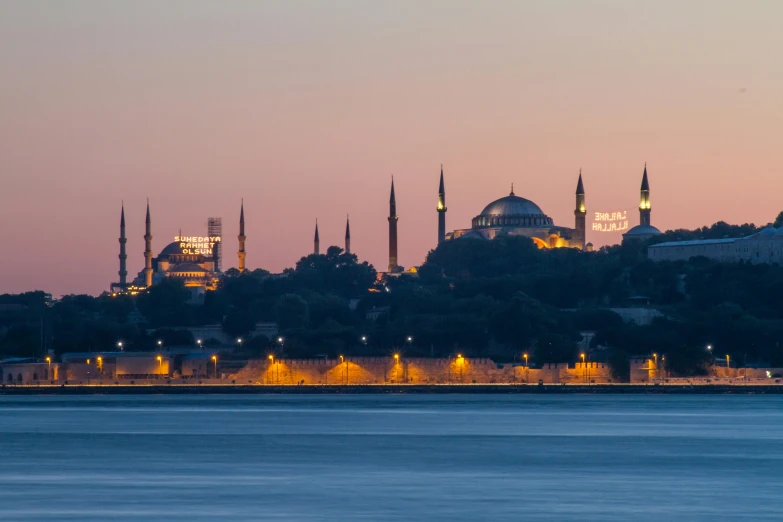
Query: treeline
(499,299)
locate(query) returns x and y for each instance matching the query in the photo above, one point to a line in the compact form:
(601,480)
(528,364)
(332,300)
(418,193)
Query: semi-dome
(513,211)
(187,268)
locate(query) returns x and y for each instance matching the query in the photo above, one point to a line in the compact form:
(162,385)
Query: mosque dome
(512,211)
(642,232)
(172,249)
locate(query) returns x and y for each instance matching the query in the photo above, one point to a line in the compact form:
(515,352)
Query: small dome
(187,268)
(512,206)
(643,230)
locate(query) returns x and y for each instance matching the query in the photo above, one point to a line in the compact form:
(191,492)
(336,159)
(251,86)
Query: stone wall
(380,370)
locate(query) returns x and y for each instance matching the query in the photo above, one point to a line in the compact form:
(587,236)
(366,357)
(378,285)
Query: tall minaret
(241,253)
(347,234)
(316,241)
(148,250)
(441,210)
(644,201)
(580,212)
(123,269)
(393,266)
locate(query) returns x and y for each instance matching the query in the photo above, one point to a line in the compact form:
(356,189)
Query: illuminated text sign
(610,221)
(197,244)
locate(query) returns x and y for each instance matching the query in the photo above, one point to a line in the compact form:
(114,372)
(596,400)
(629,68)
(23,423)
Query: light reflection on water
(404,457)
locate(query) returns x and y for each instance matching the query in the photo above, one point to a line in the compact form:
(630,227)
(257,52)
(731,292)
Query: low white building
(766,246)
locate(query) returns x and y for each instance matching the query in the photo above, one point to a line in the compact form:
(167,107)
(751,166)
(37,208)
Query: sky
(307,108)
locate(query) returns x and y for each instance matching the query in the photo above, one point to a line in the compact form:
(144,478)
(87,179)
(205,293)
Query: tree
(292,312)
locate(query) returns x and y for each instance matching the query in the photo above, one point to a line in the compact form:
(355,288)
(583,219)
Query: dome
(512,206)
(512,211)
(187,268)
(172,249)
(642,231)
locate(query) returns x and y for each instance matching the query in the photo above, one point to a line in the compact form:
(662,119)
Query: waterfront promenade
(217,386)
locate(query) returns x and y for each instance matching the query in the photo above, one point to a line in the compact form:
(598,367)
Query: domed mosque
(517,216)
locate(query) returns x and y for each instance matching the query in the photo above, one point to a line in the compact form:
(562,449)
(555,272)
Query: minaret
(644,201)
(316,241)
(393,266)
(241,254)
(441,210)
(148,250)
(580,212)
(123,269)
(347,235)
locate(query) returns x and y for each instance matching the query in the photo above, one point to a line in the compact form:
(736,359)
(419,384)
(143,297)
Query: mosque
(196,260)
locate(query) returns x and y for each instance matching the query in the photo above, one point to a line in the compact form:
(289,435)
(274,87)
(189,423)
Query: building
(644,230)
(765,246)
(195,260)
(516,216)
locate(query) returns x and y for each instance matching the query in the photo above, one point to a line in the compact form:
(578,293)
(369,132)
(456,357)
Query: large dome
(512,211)
(512,206)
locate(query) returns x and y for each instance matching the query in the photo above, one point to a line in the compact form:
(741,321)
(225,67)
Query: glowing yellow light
(342,358)
(159,358)
(396,356)
(459,356)
(214,358)
(48,359)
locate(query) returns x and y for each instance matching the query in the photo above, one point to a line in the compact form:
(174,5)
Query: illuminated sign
(610,221)
(197,244)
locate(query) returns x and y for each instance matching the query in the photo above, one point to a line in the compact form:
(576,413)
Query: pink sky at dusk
(306,108)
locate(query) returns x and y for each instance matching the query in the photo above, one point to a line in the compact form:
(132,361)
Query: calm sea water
(406,457)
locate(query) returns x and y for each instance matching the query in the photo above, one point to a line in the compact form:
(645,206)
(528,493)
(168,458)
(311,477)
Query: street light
(709,347)
(342,360)
(160,343)
(527,368)
(198,342)
(461,362)
(728,362)
(214,359)
(364,339)
(119,345)
(49,370)
(239,342)
(160,364)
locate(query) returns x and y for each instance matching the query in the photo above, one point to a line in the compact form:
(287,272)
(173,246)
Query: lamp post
(160,365)
(214,359)
(397,361)
(49,369)
(343,361)
(728,363)
(271,363)
(655,356)
(663,365)
(119,345)
(584,370)
(160,344)
(239,342)
(460,361)
(527,368)
(198,342)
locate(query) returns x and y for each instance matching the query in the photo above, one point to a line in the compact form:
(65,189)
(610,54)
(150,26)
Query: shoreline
(385,389)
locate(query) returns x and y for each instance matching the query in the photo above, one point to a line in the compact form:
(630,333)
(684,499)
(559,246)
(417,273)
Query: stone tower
(393,218)
(316,240)
(441,209)
(644,200)
(347,235)
(148,250)
(580,212)
(123,256)
(241,253)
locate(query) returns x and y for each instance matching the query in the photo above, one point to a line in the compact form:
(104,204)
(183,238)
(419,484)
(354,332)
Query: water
(408,457)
